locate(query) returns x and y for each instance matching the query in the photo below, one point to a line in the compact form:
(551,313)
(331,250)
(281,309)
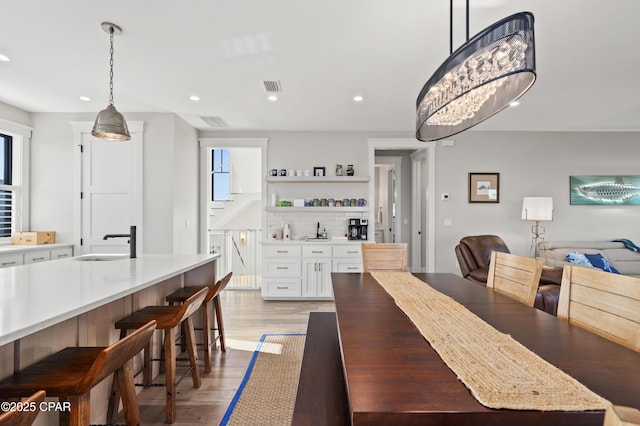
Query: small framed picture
(319,171)
(484,187)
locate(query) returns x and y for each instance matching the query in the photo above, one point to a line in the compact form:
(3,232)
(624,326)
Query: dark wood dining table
(393,376)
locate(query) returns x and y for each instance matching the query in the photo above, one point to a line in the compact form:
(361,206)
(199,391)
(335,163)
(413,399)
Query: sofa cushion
(598,261)
(626,261)
(578,259)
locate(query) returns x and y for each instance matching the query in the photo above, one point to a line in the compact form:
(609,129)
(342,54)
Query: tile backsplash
(303,224)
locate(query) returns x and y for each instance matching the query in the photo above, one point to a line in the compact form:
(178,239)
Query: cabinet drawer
(61,253)
(350,250)
(346,265)
(281,251)
(282,267)
(315,251)
(11,260)
(279,287)
(37,256)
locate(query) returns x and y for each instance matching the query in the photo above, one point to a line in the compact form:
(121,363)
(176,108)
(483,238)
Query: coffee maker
(358,229)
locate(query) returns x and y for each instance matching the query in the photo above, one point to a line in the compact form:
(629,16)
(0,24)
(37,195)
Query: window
(8,193)
(220,175)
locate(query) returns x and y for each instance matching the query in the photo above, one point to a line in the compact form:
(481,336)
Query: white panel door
(111,192)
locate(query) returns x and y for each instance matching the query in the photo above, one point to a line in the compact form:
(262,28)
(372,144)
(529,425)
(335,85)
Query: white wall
(16,115)
(531,164)
(169,147)
(186,179)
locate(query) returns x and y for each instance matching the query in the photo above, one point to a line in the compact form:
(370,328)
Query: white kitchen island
(47,306)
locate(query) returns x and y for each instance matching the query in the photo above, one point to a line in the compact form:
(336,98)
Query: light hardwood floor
(246,318)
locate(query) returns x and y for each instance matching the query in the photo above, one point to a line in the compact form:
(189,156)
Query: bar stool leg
(79,414)
(124,379)
(170,373)
(190,340)
(206,336)
(220,325)
(147,375)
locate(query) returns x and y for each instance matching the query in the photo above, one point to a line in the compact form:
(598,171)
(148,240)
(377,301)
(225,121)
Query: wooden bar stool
(24,417)
(168,318)
(214,290)
(71,373)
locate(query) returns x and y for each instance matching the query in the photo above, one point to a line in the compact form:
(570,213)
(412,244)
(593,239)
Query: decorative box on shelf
(33,238)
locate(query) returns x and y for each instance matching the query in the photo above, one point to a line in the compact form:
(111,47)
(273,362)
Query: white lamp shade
(537,208)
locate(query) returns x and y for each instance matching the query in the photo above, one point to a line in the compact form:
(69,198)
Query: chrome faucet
(132,240)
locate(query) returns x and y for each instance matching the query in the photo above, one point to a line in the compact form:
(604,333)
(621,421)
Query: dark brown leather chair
(474,255)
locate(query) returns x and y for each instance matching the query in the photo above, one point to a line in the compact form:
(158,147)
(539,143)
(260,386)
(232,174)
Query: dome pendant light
(110,124)
(478,80)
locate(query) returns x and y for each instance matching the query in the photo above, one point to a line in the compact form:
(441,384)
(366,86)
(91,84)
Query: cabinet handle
(8,263)
(355,268)
(282,251)
(282,288)
(282,267)
(317,251)
(62,255)
(352,251)
(35,259)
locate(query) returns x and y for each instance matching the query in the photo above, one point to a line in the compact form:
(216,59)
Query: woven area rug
(498,370)
(267,394)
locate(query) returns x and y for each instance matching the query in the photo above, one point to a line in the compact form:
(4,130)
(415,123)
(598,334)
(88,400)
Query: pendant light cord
(450,27)
(451,24)
(111,31)
(467,12)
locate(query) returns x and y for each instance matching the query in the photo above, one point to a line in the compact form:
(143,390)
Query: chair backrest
(618,415)
(515,276)
(384,257)
(113,357)
(217,288)
(23,417)
(474,251)
(604,303)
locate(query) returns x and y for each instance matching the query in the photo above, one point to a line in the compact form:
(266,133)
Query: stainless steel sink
(100,257)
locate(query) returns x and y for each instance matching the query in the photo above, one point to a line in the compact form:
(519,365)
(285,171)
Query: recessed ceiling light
(272,98)
(4,58)
(358,98)
(194,98)
(85,98)
(514,104)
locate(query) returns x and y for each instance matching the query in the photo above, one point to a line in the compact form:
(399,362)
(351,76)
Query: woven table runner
(498,370)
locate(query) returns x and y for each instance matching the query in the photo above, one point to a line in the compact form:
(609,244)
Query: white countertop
(15,248)
(36,296)
(315,242)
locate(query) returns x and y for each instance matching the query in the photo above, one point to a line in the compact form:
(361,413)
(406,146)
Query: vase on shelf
(350,170)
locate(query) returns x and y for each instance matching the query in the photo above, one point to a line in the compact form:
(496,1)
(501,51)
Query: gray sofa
(626,261)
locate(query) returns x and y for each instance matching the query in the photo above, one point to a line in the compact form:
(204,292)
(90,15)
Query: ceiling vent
(214,121)
(272,86)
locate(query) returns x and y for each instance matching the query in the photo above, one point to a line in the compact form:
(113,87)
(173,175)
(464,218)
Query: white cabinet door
(7,260)
(61,253)
(347,258)
(347,265)
(316,278)
(324,288)
(37,256)
(309,277)
(280,287)
(282,267)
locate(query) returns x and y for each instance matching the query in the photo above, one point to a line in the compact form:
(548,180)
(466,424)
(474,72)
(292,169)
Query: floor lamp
(537,209)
